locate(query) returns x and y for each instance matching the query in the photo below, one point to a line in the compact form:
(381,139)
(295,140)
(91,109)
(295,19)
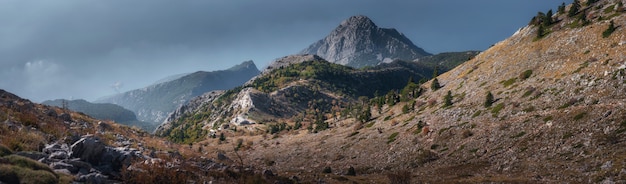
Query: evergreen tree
(489,99)
(222,137)
(609,30)
(447,100)
(435,85)
(540,31)
(547,20)
(365,115)
(574,9)
(562,8)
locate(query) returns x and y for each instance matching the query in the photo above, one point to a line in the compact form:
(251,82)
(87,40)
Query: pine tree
(447,100)
(562,8)
(609,30)
(540,31)
(435,85)
(547,20)
(574,9)
(489,99)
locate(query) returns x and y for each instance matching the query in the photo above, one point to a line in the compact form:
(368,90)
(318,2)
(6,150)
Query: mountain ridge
(358,42)
(155,102)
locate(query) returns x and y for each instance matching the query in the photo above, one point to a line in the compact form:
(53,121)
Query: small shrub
(496,110)
(548,118)
(351,171)
(580,115)
(488,100)
(369,125)
(4,151)
(509,82)
(327,170)
(526,74)
(467,133)
(392,137)
(477,113)
(609,30)
(447,100)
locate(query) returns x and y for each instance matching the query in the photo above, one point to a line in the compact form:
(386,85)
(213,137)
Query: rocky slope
(153,103)
(358,42)
(45,144)
(289,87)
(556,115)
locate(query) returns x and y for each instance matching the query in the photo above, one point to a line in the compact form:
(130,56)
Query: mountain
(103,111)
(291,86)
(545,105)
(358,42)
(155,102)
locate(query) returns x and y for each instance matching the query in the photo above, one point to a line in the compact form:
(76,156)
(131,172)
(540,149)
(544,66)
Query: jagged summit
(358,42)
(358,21)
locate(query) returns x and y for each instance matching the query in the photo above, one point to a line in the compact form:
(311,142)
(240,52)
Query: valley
(546,105)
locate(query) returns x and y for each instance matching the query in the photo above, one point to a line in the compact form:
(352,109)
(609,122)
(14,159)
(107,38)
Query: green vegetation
(548,118)
(583,65)
(609,30)
(526,74)
(580,116)
(509,82)
(222,137)
(19,169)
(488,100)
(447,100)
(496,110)
(561,9)
(189,128)
(392,137)
(435,84)
(518,135)
(477,113)
(573,11)
(4,151)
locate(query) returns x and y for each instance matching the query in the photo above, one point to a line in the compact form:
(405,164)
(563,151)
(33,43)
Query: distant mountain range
(153,103)
(102,111)
(358,42)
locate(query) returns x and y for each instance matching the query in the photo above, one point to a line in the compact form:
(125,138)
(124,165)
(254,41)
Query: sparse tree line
(545,21)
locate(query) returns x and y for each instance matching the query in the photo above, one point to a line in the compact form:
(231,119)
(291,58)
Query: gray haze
(92,48)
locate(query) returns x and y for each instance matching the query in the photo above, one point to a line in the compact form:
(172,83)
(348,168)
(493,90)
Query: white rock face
(358,42)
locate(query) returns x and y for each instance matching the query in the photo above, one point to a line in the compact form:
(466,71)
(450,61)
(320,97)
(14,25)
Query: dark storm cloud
(91,48)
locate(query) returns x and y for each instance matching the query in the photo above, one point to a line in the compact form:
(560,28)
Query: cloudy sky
(92,48)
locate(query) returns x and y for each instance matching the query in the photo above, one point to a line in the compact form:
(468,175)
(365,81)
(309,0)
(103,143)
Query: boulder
(94,178)
(88,149)
(59,155)
(65,117)
(63,165)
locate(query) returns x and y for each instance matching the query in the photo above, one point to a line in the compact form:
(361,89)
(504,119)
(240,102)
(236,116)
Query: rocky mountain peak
(358,42)
(358,22)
